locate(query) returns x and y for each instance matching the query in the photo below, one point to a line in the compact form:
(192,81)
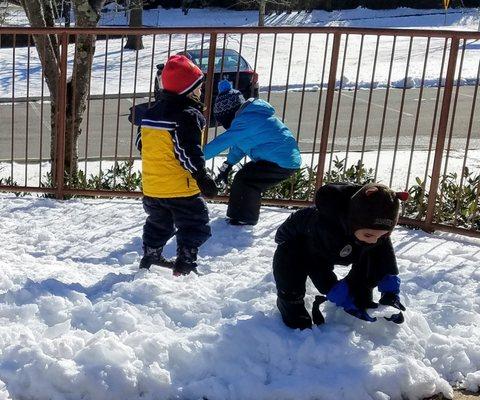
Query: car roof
(218,52)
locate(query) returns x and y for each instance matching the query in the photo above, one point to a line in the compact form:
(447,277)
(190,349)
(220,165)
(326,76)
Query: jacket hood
(256,106)
(333,204)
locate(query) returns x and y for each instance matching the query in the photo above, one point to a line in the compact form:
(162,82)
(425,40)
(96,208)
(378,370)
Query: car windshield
(230,62)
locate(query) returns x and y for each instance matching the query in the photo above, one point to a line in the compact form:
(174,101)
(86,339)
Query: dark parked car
(232,66)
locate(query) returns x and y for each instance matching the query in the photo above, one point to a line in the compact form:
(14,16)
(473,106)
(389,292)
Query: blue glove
(340,295)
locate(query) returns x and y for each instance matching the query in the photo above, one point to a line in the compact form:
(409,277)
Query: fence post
(327,115)
(61,117)
(209,83)
(442,131)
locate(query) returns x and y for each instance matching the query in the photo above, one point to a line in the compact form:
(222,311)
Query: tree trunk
(79,84)
(135,42)
(40,13)
(261,12)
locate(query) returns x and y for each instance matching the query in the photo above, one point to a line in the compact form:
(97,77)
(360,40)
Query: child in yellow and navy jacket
(173,169)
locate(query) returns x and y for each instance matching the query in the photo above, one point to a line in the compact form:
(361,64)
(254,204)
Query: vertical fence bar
(130,153)
(42,89)
(12,148)
(370,94)
(320,95)
(27,115)
(385,104)
(354,102)
(237,74)
(454,113)
(400,114)
(434,120)
(328,109)
(102,126)
(118,105)
(60,117)
(209,83)
(292,38)
(151,68)
(222,65)
(467,146)
(169,51)
(74,120)
(252,90)
(186,43)
(442,130)
(87,124)
(302,98)
(417,115)
(446,156)
(271,67)
(339,100)
(201,51)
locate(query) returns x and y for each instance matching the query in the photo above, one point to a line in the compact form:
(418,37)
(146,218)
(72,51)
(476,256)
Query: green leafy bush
(119,177)
(456,204)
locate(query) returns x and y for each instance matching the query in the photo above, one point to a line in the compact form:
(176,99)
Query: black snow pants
(189,215)
(248,185)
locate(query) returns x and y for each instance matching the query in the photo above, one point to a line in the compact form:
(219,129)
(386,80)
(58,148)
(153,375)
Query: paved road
(104,128)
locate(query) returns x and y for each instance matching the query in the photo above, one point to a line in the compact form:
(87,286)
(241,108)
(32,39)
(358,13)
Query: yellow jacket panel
(170,141)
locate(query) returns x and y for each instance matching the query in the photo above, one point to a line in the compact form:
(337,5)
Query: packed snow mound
(78,320)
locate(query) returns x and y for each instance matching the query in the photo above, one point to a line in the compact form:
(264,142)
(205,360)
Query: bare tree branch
(47,45)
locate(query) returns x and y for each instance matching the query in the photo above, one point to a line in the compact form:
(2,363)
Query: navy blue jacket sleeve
(138,140)
(187,142)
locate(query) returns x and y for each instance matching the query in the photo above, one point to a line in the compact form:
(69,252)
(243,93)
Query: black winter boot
(294,313)
(392,300)
(153,256)
(365,300)
(186,261)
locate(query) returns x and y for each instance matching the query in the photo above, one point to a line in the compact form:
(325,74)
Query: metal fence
(391,105)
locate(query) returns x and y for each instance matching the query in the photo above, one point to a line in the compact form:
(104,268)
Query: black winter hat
(227,103)
(375,206)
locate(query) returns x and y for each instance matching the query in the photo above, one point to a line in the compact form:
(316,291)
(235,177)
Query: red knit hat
(180,75)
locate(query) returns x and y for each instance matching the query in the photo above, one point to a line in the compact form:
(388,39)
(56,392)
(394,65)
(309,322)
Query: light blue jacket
(257,133)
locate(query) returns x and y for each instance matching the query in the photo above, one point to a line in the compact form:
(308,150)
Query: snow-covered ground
(112,59)
(79,321)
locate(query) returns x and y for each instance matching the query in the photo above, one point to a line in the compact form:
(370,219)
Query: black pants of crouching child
(184,217)
(248,185)
(293,264)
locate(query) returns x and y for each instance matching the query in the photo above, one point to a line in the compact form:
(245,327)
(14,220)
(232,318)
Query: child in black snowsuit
(173,169)
(349,224)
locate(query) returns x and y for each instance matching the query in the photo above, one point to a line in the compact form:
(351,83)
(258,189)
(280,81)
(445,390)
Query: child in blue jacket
(252,130)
